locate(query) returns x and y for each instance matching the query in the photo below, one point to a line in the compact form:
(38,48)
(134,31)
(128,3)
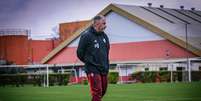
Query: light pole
(187,57)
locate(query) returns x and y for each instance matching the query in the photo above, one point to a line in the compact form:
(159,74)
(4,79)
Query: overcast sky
(41,16)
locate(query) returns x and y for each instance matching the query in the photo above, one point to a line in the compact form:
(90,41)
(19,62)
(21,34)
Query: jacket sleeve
(108,49)
(108,44)
(82,47)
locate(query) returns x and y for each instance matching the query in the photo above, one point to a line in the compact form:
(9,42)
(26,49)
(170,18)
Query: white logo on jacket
(96,45)
(104,40)
(95,41)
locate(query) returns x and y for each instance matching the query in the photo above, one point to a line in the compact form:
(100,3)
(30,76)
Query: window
(112,67)
(146,69)
(180,68)
(163,68)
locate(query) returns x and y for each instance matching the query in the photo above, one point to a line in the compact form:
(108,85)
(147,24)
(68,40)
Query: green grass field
(125,92)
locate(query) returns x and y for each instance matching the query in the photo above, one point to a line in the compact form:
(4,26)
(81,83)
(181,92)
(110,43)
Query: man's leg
(104,80)
(95,86)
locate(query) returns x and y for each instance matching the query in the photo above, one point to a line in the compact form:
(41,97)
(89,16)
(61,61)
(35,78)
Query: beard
(102,28)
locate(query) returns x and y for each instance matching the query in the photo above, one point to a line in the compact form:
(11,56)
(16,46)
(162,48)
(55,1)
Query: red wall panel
(14,49)
(133,51)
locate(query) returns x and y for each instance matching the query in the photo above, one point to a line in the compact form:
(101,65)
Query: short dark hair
(98,17)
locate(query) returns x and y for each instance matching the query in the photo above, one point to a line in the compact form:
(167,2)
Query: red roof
(132,51)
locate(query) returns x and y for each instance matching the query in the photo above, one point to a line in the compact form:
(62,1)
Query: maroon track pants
(98,85)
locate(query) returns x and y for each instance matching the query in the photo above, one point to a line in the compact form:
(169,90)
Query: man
(93,50)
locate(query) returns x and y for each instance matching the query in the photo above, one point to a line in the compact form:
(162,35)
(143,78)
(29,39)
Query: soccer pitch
(124,92)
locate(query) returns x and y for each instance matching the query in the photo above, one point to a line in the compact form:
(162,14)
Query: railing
(24,32)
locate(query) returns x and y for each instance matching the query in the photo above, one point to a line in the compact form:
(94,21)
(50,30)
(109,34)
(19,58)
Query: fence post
(171,74)
(47,83)
(189,70)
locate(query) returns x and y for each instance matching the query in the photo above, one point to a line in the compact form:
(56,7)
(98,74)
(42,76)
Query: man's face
(101,24)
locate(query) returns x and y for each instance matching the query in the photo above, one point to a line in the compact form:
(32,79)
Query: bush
(84,82)
(13,79)
(113,77)
(137,76)
(164,76)
(196,75)
(59,79)
(151,76)
(148,77)
(35,79)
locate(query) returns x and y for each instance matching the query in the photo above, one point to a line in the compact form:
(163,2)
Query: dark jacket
(93,50)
